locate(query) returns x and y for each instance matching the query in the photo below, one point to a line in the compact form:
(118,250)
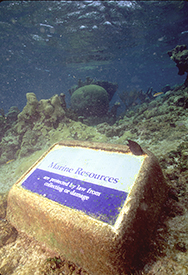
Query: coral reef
(39,125)
(9,146)
(135,97)
(12,114)
(180,56)
(91,105)
(7,120)
(110,117)
(110,87)
(160,125)
(112,114)
(47,111)
(25,132)
(2,126)
(166,88)
(90,100)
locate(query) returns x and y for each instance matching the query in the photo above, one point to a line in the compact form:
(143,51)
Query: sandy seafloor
(160,126)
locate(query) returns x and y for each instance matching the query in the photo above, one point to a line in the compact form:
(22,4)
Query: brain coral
(90,100)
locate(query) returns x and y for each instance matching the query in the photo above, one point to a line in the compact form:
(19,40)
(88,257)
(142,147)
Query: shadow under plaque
(95,203)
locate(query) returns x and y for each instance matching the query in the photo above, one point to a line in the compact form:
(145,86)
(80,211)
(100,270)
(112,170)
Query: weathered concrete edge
(142,211)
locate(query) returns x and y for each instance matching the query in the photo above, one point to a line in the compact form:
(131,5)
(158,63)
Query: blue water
(47,46)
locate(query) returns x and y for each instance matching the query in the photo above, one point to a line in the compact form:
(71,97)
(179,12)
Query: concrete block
(97,204)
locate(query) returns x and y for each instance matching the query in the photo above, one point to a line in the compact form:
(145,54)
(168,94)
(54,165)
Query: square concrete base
(97,246)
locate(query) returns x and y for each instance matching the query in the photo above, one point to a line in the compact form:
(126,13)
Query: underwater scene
(96,71)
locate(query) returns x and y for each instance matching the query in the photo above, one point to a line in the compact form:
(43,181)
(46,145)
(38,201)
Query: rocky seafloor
(160,126)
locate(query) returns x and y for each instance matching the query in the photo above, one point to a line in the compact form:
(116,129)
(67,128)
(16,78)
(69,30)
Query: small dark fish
(135,148)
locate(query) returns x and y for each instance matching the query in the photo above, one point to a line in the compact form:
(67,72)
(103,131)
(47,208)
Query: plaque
(94,203)
(96,182)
